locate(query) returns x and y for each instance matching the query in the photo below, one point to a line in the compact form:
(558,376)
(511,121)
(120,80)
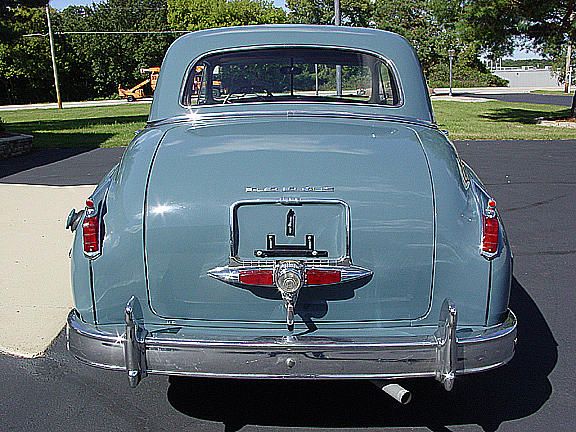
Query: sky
(61,4)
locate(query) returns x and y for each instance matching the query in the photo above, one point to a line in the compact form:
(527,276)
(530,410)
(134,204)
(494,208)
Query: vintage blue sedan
(291,210)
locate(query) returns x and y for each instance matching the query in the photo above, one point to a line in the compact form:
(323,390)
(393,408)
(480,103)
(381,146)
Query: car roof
(415,101)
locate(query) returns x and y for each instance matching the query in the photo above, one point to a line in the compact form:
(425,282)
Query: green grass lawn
(113,126)
(499,120)
(109,126)
(551,92)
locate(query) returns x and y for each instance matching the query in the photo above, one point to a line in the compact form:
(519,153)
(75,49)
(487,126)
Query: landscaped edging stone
(15,145)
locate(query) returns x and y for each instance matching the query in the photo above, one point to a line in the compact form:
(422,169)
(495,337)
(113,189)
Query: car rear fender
(101,284)
(501,265)
(461,272)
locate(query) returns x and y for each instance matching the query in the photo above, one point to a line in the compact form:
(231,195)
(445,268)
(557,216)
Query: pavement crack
(536,204)
(568,252)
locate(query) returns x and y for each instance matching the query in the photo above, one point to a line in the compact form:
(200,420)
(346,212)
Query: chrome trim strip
(314,358)
(197,118)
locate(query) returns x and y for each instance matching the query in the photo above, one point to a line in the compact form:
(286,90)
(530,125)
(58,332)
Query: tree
(432,27)
(355,13)
(25,69)
(93,65)
(195,15)
(8,18)
(549,24)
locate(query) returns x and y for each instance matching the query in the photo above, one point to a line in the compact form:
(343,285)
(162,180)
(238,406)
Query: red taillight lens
(91,234)
(322,277)
(256,277)
(490,235)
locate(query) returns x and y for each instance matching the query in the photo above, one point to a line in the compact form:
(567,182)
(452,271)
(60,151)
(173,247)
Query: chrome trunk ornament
(289,278)
(289,267)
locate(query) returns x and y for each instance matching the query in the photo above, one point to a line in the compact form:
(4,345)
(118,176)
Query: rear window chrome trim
(391,66)
(199,117)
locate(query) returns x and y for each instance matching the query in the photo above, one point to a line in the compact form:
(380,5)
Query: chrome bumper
(441,355)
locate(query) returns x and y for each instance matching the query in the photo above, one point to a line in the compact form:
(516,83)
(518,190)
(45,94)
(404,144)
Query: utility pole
(52,53)
(316,77)
(568,71)
(451,53)
(338,67)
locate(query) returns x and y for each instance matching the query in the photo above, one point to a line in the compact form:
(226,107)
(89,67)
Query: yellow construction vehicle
(138,92)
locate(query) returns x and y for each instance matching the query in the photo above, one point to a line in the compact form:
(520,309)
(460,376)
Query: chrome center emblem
(289,276)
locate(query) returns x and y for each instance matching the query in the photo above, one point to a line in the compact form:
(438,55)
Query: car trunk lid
(217,192)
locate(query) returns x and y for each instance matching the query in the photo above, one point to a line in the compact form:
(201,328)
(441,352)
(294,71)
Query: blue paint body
(415,217)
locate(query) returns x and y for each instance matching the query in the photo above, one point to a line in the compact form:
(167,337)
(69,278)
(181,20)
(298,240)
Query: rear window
(291,75)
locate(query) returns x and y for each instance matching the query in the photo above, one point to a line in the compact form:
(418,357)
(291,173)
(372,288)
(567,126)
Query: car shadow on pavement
(488,399)
(60,166)
(37,158)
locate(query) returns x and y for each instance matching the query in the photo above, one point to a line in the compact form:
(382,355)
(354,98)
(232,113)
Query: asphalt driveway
(533,183)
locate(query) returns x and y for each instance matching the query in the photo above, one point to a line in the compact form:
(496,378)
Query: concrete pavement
(36,193)
(35,281)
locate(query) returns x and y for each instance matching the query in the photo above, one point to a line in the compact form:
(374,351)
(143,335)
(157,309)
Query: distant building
(528,76)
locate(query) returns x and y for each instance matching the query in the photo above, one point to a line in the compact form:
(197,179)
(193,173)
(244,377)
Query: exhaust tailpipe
(395,391)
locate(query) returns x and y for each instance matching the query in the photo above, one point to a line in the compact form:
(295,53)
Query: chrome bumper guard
(442,355)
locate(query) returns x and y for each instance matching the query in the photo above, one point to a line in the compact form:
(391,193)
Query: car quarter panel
(119,272)
(501,265)
(461,272)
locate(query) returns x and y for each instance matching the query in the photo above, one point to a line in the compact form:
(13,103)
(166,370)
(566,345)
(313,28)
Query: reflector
(322,277)
(256,277)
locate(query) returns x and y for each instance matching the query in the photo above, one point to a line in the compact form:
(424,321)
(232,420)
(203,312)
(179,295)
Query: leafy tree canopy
(200,14)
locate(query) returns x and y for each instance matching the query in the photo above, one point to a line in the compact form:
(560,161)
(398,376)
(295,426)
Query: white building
(528,76)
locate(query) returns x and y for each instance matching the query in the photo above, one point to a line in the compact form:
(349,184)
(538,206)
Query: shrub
(463,76)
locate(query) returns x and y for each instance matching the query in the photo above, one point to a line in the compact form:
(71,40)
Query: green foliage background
(92,66)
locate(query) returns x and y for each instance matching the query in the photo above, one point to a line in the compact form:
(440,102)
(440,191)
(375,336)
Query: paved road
(534,185)
(83,104)
(524,97)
